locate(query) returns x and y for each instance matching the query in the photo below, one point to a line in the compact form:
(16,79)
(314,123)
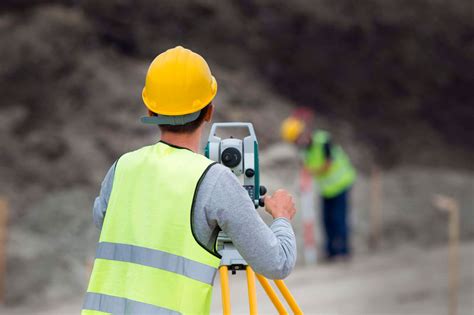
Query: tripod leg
(252,291)
(288,297)
(225,293)
(271,294)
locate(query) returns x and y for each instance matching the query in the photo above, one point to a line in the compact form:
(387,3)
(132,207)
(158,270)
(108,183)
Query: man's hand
(280,205)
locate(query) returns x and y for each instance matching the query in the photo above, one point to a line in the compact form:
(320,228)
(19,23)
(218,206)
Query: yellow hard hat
(291,129)
(178,82)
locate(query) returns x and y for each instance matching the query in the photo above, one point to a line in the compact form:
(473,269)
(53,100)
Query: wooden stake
(451,206)
(3,247)
(374,213)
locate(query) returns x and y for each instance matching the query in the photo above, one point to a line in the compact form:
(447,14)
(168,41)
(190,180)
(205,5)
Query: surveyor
(334,174)
(161,207)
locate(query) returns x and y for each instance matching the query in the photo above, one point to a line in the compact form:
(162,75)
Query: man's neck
(189,141)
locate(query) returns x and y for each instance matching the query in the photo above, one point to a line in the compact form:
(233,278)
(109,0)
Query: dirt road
(406,281)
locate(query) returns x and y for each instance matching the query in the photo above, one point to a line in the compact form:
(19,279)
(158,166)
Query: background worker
(161,207)
(333,172)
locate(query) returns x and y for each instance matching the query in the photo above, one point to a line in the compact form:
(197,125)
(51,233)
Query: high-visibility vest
(148,260)
(340,175)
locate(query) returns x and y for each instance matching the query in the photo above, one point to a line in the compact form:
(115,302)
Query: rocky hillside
(391,78)
(397,71)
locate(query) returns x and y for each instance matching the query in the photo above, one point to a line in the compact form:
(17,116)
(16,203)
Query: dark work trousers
(335,217)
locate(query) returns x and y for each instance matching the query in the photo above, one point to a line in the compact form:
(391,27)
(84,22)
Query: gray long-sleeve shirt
(222,202)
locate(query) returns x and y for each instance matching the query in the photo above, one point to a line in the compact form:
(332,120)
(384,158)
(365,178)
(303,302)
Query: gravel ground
(408,280)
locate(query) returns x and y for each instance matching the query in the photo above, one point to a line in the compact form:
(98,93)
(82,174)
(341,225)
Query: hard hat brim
(170,120)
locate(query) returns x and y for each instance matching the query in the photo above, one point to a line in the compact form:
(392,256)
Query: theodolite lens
(231,157)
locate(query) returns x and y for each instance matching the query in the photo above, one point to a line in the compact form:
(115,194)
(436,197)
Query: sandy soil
(406,281)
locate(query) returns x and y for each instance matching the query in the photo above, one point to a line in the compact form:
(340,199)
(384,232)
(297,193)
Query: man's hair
(188,127)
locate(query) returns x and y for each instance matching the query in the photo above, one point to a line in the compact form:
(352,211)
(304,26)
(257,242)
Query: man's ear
(209,113)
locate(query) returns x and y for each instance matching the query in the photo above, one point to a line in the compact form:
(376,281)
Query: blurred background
(393,81)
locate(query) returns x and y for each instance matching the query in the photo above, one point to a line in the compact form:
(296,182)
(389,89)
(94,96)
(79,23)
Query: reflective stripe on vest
(116,305)
(340,174)
(148,260)
(156,259)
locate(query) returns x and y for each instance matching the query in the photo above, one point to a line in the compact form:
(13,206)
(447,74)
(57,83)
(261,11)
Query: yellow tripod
(231,260)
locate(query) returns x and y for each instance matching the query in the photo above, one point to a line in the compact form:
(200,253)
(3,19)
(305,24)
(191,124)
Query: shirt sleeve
(270,251)
(101,202)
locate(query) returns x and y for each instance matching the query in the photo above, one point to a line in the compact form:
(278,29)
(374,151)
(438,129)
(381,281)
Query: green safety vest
(148,260)
(340,175)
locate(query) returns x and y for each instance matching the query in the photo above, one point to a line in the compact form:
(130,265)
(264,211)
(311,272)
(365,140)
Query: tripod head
(230,255)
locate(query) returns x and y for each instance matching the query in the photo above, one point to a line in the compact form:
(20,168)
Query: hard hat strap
(170,120)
